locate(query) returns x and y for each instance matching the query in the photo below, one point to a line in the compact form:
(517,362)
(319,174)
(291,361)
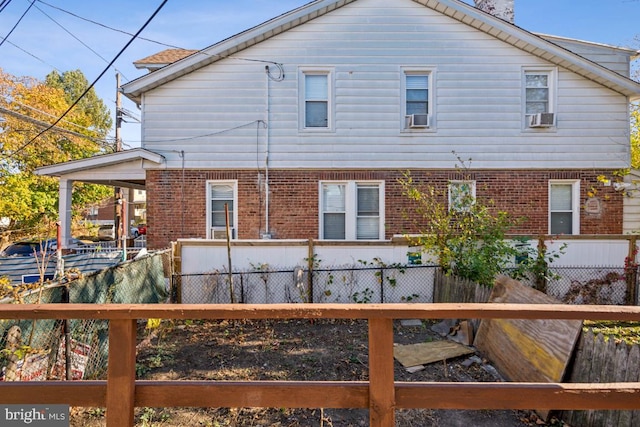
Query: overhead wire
(78,39)
(3,4)
(91,85)
(58,129)
(49,114)
(278,78)
(105,26)
(17,23)
(30,54)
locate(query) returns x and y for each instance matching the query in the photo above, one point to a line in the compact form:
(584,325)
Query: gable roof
(163,58)
(462,12)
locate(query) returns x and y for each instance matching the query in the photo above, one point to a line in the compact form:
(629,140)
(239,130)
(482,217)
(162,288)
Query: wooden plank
(316,311)
(620,370)
(381,391)
(121,373)
(597,364)
(546,396)
(265,394)
(608,374)
(76,393)
(583,371)
(532,350)
(633,374)
(535,350)
(428,352)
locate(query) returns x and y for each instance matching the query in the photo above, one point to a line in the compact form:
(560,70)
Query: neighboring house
(104,212)
(303,125)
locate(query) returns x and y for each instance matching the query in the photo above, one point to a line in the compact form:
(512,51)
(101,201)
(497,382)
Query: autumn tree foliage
(635,137)
(28,107)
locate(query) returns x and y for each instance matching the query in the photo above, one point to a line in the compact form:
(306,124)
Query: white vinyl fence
(348,271)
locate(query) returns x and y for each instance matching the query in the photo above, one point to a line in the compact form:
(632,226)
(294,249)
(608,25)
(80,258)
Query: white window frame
(351,206)
(552,85)
(431,109)
(575,203)
(302,73)
(452,202)
(234,219)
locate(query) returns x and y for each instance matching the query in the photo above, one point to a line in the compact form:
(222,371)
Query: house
(301,127)
(103,212)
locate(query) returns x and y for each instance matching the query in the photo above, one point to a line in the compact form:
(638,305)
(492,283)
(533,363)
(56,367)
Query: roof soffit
(462,12)
(101,162)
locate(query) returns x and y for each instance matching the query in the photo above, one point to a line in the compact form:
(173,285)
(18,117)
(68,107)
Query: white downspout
(267,234)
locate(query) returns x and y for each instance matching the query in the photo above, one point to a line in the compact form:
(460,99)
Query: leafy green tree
(467,238)
(468,235)
(73,84)
(27,107)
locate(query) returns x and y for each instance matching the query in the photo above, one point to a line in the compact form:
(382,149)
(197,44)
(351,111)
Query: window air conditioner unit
(542,120)
(221,233)
(417,121)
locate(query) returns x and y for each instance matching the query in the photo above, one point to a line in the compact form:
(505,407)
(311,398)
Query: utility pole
(119,227)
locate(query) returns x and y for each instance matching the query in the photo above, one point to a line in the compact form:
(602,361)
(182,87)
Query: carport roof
(121,169)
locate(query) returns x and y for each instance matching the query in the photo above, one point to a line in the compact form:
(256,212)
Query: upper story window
(539,97)
(564,203)
(351,210)
(221,194)
(462,195)
(417,99)
(316,99)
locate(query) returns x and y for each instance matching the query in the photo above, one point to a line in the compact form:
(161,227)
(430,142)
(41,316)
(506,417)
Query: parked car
(107,231)
(31,247)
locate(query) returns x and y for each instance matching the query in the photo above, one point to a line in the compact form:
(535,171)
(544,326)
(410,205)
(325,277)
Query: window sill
(409,132)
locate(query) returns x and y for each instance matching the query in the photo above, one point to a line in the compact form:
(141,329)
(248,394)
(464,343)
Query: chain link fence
(386,284)
(76,349)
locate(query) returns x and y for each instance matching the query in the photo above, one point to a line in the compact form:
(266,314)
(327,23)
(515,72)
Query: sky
(56,34)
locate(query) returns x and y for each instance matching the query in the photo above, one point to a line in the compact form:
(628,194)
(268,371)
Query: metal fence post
(382,285)
(310,262)
(631,271)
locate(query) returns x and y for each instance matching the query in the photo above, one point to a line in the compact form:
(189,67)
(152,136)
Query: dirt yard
(291,350)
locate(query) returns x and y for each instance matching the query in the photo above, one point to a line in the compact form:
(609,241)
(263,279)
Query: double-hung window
(416,98)
(351,210)
(564,203)
(316,99)
(222,199)
(539,97)
(462,195)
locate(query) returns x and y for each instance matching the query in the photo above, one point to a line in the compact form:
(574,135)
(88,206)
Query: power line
(75,37)
(3,4)
(280,77)
(91,85)
(31,54)
(47,114)
(106,26)
(19,20)
(42,124)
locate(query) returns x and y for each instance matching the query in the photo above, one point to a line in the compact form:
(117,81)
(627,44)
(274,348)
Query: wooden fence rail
(121,393)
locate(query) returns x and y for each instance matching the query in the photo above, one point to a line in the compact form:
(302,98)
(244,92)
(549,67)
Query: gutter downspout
(267,234)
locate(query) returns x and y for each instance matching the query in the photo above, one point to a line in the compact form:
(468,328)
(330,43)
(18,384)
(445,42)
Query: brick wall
(176,200)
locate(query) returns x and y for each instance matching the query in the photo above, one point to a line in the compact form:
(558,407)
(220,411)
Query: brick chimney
(502,9)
